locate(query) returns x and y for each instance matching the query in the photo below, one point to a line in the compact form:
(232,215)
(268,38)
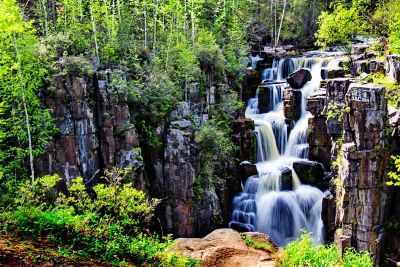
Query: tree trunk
(28,130)
(94,33)
(280,25)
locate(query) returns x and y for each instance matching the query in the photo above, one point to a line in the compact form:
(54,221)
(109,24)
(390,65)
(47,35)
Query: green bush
(303,252)
(105,223)
(394,173)
(337,27)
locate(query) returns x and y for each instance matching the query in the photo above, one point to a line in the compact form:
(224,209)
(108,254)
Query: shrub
(105,223)
(337,27)
(303,252)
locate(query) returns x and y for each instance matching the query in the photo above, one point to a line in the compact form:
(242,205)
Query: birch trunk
(280,25)
(28,130)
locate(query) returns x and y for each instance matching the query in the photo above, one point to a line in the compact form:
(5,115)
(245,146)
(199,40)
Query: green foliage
(392,88)
(335,111)
(394,173)
(210,56)
(104,223)
(157,98)
(258,245)
(338,27)
(387,22)
(303,252)
(21,76)
(215,145)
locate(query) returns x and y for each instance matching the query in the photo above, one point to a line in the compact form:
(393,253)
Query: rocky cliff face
(189,207)
(352,117)
(95,129)
(362,192)
(96,132)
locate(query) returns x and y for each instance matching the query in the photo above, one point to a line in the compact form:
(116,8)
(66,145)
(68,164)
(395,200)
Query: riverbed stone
(299,78)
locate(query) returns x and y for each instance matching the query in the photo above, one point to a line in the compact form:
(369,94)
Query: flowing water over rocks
(275,202)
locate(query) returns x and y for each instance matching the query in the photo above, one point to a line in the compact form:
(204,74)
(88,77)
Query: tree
(338,27)
(26,126)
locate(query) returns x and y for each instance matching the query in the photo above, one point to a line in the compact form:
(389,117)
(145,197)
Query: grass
(258,245)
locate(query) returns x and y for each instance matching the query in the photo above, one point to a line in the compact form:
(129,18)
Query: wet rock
(247,169)
(392,66)
(226,248)
(365,120)
(336,89)
(332,73)
(334,127)
(299,78)
(243,137)
(250,84)
(241,227)
(328,217)
(286,182)
(264,98)
(316,103)
(311,173)
(317,135)
(292,104)
(319,140)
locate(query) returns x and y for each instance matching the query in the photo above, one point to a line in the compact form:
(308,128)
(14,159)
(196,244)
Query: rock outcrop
(392,66)
(226,248)
(311,173)
(189,204)
(318,138)
(362,193)
(292,104)
(95,129)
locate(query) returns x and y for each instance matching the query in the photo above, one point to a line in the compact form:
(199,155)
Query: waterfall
(274,201)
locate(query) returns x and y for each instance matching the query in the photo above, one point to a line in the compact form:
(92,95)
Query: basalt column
(361,191)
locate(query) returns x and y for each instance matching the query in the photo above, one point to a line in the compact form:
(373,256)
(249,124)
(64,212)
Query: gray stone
(299,78)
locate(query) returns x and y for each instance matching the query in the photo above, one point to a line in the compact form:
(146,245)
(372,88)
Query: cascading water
(266,205)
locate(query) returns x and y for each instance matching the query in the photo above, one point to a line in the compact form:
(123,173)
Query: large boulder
(299,78)
(311,173)
(226,248)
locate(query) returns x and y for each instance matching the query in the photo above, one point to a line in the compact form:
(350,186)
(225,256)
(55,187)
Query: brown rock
(226,248)
(292,104)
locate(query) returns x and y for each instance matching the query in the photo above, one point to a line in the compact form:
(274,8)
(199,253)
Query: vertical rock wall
(95,129)
(351,119)
(362,192)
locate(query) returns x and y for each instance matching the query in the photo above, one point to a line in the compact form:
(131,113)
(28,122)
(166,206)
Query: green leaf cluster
(105,222)
(303,252)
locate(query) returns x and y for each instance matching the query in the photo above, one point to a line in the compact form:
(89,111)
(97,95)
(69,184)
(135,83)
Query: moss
(258,245)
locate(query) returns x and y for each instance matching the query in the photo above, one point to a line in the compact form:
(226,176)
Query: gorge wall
(96,131)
